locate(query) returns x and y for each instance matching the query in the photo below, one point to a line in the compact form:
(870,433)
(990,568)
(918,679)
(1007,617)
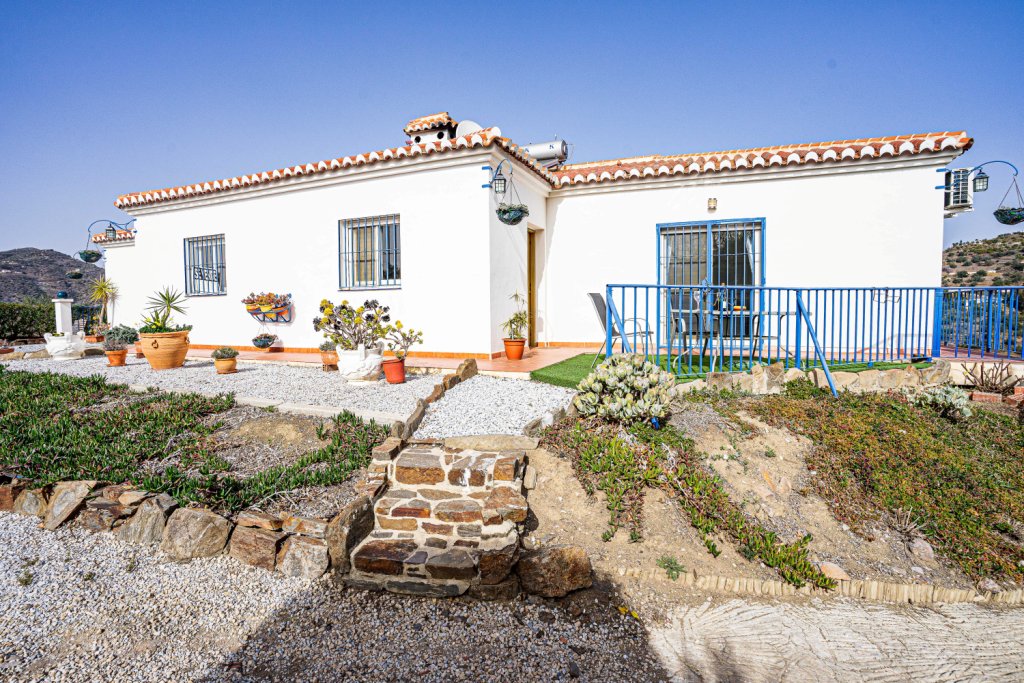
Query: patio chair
(639,325)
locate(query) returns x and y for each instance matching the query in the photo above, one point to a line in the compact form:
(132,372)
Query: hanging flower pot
(1009,216)
(73,274)
(264,341)
(512,214)
(90,255)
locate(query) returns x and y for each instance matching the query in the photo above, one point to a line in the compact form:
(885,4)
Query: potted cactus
(399,340)
(225,359)
(515,327)
(116,344)
(329,352)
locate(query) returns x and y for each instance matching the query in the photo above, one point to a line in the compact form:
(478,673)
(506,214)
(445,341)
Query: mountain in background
(996,261)
(31,273)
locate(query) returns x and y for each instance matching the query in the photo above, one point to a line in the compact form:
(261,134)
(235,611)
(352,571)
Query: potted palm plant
(399,340)
(163,343)
(515,327)
(116,344)
(225,359)
(102,291)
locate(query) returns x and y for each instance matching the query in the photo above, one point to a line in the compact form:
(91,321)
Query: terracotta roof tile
(781,155)
(439,120)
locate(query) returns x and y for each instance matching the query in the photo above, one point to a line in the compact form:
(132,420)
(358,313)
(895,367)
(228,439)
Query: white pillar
(62,308)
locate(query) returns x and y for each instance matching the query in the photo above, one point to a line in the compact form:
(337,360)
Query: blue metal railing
(692,330)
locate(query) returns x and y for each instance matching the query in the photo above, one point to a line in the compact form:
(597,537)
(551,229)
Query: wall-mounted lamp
(712,203)
(111,232)
(981,182)
(499,183)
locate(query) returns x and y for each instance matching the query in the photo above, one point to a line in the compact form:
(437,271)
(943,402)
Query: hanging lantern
(499,183)
(111,232)
(981,182)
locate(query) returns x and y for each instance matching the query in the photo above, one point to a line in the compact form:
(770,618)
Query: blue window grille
(370,252)
(205,266)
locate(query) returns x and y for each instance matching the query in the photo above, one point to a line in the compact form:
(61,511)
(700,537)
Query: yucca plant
(161,306)
(102,291)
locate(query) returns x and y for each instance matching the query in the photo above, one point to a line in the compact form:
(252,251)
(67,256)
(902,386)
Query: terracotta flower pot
(226,366)
(6,349)
(394,370)
(94,338)
(514,348)
(116,359)
(329,357)
(138,350)
(165,350)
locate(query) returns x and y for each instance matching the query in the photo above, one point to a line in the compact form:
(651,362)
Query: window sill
(370,288)
(203,296)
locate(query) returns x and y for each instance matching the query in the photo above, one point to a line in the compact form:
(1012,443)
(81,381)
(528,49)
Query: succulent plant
(626,388)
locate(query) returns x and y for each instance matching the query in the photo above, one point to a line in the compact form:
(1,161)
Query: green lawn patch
(569,372)
(55,428)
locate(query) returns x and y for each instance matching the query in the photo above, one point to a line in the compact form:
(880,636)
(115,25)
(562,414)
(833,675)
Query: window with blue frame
(205,268)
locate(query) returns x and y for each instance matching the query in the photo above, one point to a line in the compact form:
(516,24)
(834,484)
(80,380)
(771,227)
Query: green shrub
(18,321)
(626,388)
(123,334)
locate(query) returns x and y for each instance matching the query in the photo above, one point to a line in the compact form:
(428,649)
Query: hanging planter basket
(1008,216)
(73,275)
(90,255)
(512,214)
(1011,215)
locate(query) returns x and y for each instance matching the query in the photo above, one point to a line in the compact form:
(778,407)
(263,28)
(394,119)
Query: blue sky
(98,99)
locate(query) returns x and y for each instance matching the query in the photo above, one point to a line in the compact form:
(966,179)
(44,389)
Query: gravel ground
(260,380)
(491,405)
(96,609)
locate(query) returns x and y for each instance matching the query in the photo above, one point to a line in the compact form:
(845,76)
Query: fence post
(608,324)
(799,327)
(937,324)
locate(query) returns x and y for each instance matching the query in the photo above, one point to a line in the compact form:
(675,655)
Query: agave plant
(626,388)
(161,306)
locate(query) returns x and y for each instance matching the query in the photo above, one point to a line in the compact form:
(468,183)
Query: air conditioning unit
(959,197)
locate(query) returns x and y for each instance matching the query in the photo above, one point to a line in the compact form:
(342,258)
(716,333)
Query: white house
(415,227)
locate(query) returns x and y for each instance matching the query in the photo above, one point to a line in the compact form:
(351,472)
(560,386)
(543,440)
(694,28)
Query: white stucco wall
(871,224)
(287,241)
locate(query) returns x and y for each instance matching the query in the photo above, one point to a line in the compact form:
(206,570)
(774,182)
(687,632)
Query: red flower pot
(514,348)
(394,370)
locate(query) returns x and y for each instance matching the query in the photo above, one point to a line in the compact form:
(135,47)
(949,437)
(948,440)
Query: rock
(530,478)
(448,590)
(387,450)
(509,465)
(492,442)
(194,532)
(462,510)
(466,369)
(506,590)
(716,381)
(792,375)
(258,520)
(554,571)
(148,522)
(921,549)
(65,500)
(496,565)
(833,571)
(384,556)
(303,557)
(988,585)
(133,497)
(452,564)
(31,502)
(97,519)
(417,467)
(255,546)
(41,353)
(304,525)
(347,529)
(8,494)
(504,504)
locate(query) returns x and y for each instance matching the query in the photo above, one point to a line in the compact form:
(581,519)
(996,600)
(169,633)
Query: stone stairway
(447,522)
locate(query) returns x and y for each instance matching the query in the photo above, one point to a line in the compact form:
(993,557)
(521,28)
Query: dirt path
(840,640)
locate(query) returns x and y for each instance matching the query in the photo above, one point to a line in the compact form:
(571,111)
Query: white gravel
(99,610)
(491,405)
(261,380)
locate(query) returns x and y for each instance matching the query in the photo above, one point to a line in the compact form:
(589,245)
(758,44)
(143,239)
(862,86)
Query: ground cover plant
(624,460)
(879,455)
(57,427)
